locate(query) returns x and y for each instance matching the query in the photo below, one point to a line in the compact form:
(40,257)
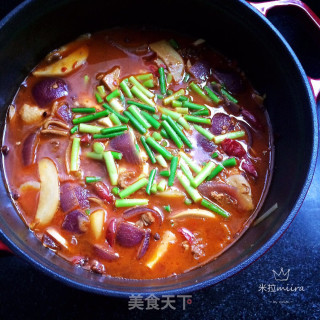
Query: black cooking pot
(233,27)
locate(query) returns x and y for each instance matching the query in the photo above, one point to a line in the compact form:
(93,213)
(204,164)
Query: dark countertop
(27,293)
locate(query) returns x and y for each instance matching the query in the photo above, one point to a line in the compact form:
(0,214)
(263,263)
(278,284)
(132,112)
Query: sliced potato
(64,66)
(31,114)
(194,213)
(111,79)
(171,58)
(49,192)
(244,195)
(167,238)
(29,185)
(97,220)
(57,236)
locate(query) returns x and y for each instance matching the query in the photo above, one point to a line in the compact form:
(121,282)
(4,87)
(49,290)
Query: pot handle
(264,7)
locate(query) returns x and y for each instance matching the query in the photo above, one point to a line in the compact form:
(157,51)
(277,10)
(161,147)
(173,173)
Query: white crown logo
(281,276)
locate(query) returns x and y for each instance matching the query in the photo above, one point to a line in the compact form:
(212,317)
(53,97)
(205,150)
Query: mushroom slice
(167,238)
(97,220)
(66,65)
(244,196)
(49,192)
(170,57)
(194,213)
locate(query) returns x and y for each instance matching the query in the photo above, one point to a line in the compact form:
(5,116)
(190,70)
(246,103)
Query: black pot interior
(231,28)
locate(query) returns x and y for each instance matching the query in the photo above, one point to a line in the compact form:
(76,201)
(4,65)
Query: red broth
(81,220)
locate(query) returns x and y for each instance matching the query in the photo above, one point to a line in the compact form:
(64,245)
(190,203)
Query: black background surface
(26,293)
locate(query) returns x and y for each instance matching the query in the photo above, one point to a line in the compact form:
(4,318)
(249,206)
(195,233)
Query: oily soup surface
(197,210)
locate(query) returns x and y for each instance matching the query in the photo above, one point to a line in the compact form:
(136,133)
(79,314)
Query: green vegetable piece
(121,203)
(231,162)
(142,106)
(197,119)
(229,135)
(150,181)
(156,146)
(173,170)
(115,191)
(215,172)
(162,185)
(83,110)
(148,150)
(98,147)
(203,174)
(212,95)
(87,128)
(92,179)
(111,168)
(162,81)
(167,208)
(91,117)
(133,188)
(211,206)
(75,151)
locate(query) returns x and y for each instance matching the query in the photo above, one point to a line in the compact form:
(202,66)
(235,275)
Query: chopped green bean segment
(212,95)
(139,117)
(114,129)
(195,88)
(174,44)
(188,201)
(168,112)
(120,116)
(169,78)
(114,119)
(98,98)
(125,88)
(193,166)
(94,155)
(231,162)
(182,98)
(87,128)
(155,124)
(176,104)
(211,206)
(172,134)
(98,147)
(149,83)
(101,91)
(197,119)
(116,155)
(164,143)
(186,78)
(150,181)
(228,96)
(139,86)
(86,79)
(136,124)
(121,203)
(108,135)
(154,188)
(215,172)
(204,112)
(193,193)
(173,170)
(111,167)
(162,81)
(142,106)
(192,106)
(160,96)
(144,77)
(156,116)
(173,96)
(215,155)
(155,145)
(204,132)
(229,135)
(83,110)
(182,121)
(115,190)
(169,92)
(148,150)
(157,136)
(178,131)
(162,185)
(74,129)
(140,95)
(183,110)
(167,208)
(164,134)
(165,173)
(186,170)
(116,105)
(133,188)
(92,179)
(91,117)
(113,94)
(161,160)
(75,151)
(203,174)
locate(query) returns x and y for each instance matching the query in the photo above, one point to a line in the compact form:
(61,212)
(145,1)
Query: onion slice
(133,212)
(194,213)
(144,244)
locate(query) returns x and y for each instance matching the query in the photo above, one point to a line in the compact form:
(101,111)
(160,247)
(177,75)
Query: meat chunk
(125,178)
(111,79)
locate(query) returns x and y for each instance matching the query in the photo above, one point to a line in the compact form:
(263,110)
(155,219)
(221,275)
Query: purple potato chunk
(48,90)
(76,222)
